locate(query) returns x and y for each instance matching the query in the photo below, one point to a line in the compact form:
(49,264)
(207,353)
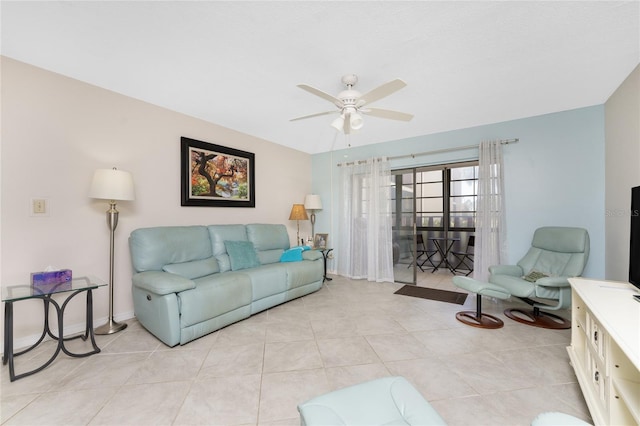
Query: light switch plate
(39,207)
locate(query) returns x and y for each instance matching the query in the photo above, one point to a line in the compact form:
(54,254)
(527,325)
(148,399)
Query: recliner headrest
(561,239)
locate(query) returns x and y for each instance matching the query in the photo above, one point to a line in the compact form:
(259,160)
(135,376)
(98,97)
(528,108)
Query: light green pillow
(242,255)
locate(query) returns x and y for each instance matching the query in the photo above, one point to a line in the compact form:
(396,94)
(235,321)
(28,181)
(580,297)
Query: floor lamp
(112,185)
(313,202)
(298,213)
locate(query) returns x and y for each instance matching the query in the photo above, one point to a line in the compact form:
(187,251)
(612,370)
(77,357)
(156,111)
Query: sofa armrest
(513,270)
(161,283)
(311,255)
(553,282)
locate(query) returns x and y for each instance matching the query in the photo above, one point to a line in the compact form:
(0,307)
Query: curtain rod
(437,151)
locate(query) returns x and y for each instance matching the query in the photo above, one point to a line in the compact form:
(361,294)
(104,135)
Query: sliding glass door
(403,213)
(433,213)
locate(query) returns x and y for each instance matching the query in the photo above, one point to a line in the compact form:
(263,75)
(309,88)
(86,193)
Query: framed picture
(216,176)
(320,241)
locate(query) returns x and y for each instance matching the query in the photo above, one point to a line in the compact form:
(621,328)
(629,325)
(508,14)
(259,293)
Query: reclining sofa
(189,281)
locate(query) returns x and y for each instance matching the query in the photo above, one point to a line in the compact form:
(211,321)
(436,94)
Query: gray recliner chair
(556,254)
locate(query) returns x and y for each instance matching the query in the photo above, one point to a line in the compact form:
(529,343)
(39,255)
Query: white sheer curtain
(490,244)
(365,247)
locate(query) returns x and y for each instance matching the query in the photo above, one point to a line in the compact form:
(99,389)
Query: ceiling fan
(351,104)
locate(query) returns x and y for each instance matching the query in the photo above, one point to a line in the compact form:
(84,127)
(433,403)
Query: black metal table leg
(88,327)
(9,355)
(325,255)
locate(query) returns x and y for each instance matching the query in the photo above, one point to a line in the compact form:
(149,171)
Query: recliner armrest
(553,281)
(160,282)
(311,255)
(513,270)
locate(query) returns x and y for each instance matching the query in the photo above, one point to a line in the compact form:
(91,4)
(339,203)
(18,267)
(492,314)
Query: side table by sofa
(13,294)
(325,255)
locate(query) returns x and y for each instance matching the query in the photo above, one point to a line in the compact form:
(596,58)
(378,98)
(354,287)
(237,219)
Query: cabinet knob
(595,336)
(148,297)
(596,376)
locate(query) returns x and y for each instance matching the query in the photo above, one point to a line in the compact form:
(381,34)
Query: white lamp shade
(312,202)
(355,121)
(112,184)
(338,123)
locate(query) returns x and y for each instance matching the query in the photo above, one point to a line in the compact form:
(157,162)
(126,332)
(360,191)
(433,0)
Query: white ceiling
(237,63)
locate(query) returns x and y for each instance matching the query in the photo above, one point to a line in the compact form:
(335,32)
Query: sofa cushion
(302,273)
(152,248)
(193,269)
(214,295)
(270,256)
(242,255)
(268,236)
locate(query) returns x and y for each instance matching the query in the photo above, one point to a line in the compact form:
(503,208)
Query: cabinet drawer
(596,337)
(599,382)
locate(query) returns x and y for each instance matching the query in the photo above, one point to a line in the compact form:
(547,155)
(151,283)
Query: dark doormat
(433,294)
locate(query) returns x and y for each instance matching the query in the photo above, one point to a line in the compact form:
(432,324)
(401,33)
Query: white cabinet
(605,349)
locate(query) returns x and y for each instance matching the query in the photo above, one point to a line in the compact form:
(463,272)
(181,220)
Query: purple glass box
(48,282)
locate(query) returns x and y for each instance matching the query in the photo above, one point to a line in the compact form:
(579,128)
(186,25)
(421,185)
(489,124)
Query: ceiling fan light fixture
(355,121)
(338,123)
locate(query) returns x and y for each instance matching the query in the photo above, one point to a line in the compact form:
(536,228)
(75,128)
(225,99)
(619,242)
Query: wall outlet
(39,207)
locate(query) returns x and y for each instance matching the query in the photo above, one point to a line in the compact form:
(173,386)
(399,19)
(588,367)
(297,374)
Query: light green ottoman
(387,401)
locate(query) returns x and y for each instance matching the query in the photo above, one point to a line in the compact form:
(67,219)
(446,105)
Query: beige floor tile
(334,327)
(104,371)
(79,408)
(289,331)
(221,401)
(156,404)
(434,379)
(291,356)
(395,347)
(282,392)
(164,366)
(346,351)
(11,404)
(340,377)
(233,361)
(132,341)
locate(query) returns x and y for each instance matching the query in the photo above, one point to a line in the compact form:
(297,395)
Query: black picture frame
(233,180)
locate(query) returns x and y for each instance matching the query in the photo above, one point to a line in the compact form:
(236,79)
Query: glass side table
(13,294)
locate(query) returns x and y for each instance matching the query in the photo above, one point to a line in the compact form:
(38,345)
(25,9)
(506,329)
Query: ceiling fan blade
(381,91)
(387,113)
(314,115)
(337,102)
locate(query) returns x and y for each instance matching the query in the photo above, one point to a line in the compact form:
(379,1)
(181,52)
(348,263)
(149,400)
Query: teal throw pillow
(242,255)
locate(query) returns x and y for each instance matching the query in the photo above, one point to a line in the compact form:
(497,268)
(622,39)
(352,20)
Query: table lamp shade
(298,212)
(312,202)
(112,184)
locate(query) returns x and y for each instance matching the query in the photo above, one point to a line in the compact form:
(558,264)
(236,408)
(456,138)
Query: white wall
(622,154)
(554,174)
(56,131)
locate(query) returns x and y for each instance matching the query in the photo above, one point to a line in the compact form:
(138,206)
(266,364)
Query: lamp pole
(111,326)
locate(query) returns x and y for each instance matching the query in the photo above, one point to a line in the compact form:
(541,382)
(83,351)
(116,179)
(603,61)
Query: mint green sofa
(189,281)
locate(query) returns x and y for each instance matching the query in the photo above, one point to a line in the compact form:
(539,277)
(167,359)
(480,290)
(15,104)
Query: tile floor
(258,370)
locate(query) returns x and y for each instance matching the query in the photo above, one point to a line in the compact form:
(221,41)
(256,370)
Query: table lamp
(298,213)
(112,185)
(313,202)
